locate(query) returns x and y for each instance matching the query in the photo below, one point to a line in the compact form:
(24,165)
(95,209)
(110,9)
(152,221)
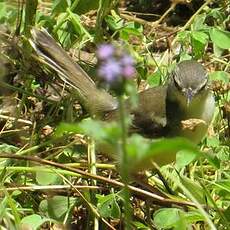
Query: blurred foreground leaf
(141,152)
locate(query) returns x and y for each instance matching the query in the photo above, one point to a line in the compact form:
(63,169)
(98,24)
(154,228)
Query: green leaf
(183,158)
(217,50)
(79,28)
(98,130)
(140,226)
(217,15)
(170,218)
(223,185)
(198,23)
(194,216)
(60,6)
(154,79)
(46,178)
(133,28)
(212,159)
(57,207)
(184,37)
(199,41)
(194,188)
(220,75)
(8,148)
(220,37)
(142,152)
(8,14)
(33,222)
(213,142)
(227,214)
(108,206)
(64,128)
(142,70)
(45,21)
(114,23)
(85,6)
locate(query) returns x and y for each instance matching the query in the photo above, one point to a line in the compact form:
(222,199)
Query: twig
(156,198)
(16,119)
(47,187)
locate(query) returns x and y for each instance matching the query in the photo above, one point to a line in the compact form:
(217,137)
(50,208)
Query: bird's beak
(189,96)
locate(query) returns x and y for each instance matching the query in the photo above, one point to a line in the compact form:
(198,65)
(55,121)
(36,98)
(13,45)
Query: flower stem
(124,163)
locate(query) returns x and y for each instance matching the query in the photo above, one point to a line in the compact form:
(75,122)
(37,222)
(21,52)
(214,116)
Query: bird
(183,107)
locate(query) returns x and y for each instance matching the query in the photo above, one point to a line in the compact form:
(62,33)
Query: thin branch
(138,191)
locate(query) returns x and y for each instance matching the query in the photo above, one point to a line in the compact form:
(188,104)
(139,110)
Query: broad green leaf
(108,206)
(168,218)
(46,178)
(142,152)
(33,222)
(194,216)
(183,158)
(154,79)
(199,41)
(220,75)
(98,130)
(199,22)
(220,37)
(200,36)
(57,206)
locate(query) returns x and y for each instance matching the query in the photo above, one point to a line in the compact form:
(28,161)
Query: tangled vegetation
(53,175)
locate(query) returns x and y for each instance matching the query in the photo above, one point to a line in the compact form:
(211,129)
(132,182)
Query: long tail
(95,101)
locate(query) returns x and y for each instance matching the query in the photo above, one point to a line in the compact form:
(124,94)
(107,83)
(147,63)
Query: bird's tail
(94,100)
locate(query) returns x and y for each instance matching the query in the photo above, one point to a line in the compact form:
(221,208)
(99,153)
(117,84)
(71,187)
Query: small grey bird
(184,107)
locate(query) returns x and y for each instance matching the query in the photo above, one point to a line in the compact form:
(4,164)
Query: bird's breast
(197,117)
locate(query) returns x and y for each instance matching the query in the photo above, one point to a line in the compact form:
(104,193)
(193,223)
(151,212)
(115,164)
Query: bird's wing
(149,118)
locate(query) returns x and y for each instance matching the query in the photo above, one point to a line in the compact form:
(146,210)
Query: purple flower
(128,71)
(105,51)
(114,64)
(127,60)
(110,70)
(127,63)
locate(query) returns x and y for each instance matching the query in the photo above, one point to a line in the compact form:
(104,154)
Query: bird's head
(188,81)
